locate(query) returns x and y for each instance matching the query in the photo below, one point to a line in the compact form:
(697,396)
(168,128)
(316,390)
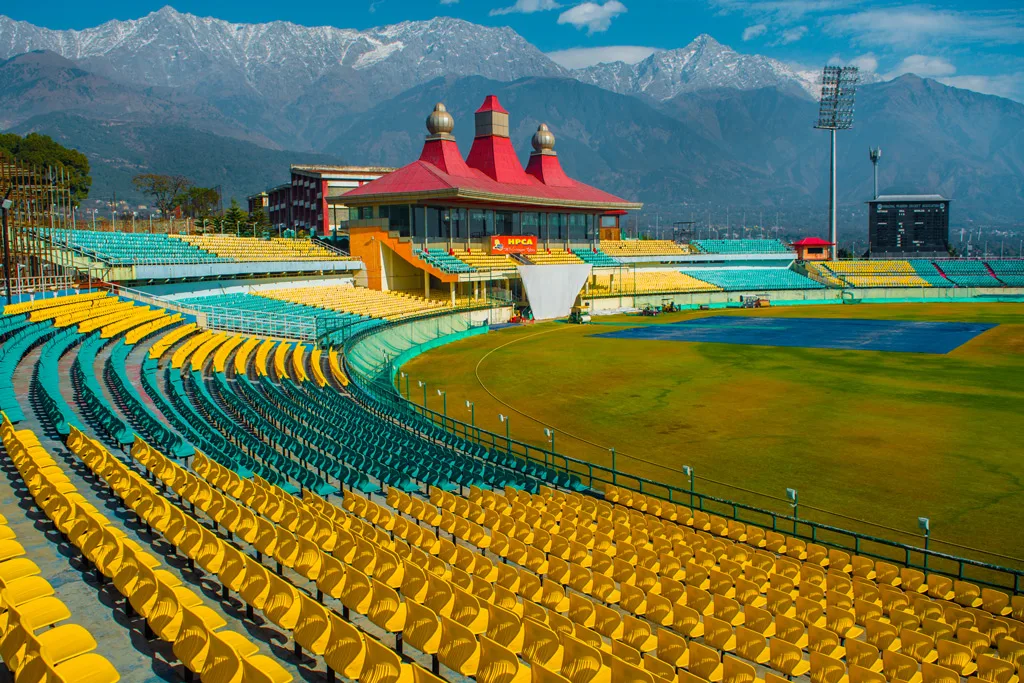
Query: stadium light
(424,386)
(444,397)
(794,501)
(925,525)
(472,414)
(835,113)
(406,377)
(550,433)
(508,435)
(5,206)
(688,471)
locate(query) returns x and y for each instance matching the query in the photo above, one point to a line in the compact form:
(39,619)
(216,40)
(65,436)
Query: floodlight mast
(875,153)
(838,91)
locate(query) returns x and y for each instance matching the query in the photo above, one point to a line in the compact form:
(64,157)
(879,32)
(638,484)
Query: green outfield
(879,436)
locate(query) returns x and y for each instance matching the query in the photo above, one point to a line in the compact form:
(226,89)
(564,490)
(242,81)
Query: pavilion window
(434,227)
(478,223)
(577,227)
(502,223)
(557,226)
(529,223)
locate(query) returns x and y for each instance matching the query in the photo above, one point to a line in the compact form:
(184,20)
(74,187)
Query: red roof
(491,103)
(491,173)
(812,242)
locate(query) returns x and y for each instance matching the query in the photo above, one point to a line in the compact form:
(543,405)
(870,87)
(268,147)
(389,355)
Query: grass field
(884,437)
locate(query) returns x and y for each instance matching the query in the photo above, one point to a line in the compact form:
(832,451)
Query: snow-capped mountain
(170,48)
(703,64)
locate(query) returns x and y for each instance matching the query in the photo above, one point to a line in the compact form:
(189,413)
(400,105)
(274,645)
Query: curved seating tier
(742,246)
(596,257)
(753,279)
(129,248)
(249,249)
(637,248)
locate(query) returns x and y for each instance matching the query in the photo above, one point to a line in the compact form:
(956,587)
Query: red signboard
(509,244)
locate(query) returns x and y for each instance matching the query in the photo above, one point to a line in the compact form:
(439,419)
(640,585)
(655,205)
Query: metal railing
(378,386)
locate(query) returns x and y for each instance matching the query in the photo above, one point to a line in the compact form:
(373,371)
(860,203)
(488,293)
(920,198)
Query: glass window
(478,223)
(530,223)
(609,221)
(577,227)
(557,228)
(502,223)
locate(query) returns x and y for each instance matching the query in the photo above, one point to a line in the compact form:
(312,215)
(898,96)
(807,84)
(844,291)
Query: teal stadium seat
(595,258)
(131,249)
(966,273)
(742,246)
(442,260)
(927,271)
(1009,272)
(753,279)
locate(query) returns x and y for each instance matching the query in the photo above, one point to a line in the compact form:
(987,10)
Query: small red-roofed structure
(813,249)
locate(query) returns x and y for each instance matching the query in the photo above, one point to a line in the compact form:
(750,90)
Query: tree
(41,150)
(164,189)
(235,216)
(199,202)
(261,221)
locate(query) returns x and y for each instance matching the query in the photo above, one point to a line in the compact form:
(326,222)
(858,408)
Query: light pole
(794,501)
(925,525)
(615,471)
(444,398)
(423,385)
(508,435)
(472,414)
(688,471)
(5,206)
(406,377)
(550,433)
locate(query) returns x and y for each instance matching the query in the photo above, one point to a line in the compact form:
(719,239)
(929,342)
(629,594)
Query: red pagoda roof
(492,173)
(812,242)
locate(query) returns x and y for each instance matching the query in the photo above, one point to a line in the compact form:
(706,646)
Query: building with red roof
(442,197)
(812,249)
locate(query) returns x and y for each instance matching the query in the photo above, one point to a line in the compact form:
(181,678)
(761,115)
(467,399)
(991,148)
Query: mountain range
(687,131)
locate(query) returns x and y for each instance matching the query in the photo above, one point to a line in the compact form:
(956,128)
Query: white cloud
(783,11)
(918,25)
(526,7)
(751,32)
(580,57)
(1010,86)
(790,35)
(924,66)
(449,2)
(866,62)
(592,16)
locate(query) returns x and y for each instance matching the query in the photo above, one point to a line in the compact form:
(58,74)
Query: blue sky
(977,45)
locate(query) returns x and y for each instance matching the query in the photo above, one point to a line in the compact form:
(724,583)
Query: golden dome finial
(440,123)
(543,140)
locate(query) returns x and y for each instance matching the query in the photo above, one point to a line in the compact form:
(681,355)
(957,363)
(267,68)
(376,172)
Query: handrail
(379,387)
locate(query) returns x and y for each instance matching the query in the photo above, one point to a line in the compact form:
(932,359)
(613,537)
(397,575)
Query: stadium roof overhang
(466,195)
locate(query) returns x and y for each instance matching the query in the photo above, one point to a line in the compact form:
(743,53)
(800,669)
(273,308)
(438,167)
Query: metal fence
(378,386)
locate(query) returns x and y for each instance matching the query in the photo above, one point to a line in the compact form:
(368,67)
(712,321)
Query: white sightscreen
(552,290)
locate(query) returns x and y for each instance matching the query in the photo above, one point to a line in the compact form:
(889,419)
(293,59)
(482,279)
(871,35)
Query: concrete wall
(207,270)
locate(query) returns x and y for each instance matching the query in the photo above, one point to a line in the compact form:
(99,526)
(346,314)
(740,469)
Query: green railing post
(688,471)
(615,470)
(551,434)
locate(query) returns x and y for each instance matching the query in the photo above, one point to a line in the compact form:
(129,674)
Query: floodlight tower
(875,153)
(838,90)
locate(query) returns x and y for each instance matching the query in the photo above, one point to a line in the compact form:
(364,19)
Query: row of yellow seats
(220,358)
(334,360)
(819,272)
(317,368)
(909,580)
(837,616)
(253,249)
(117,315)
(314,627)
(822,642)
(134,335)
(41,304)
(174,612)
(554,257)
(27,602)
(143,316)
(872,267)
(642,248)
(439,613)
(886,281)
(170,338)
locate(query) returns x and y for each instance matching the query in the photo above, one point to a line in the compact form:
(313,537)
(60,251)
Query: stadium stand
(820,273)
(1009,272)
(249,249)
(480,260)
(548,257)
(442,260)
(742,246)
(271,317)
(965,273)
(632,248)
(379,547)
(124,248)
(649,282)
(595,257)
(927,271)
(883,273)
(358,301)
(755,279)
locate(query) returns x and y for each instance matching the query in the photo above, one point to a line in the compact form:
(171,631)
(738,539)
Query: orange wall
(365,245)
